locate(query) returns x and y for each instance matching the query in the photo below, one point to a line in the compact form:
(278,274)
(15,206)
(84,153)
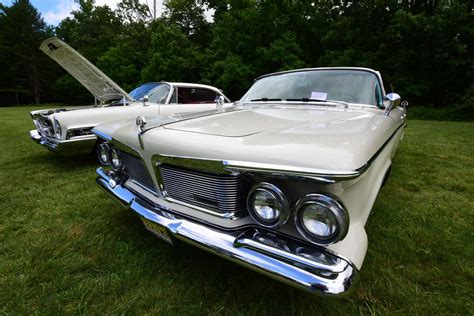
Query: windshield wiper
(317,100)
(264,100)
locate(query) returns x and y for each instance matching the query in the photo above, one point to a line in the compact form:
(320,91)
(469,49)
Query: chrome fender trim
(68,146)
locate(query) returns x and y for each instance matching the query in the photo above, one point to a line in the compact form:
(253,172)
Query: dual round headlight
(57,129)
(321,219)
(115,159)
(103,154)
(109,156)
(268,205)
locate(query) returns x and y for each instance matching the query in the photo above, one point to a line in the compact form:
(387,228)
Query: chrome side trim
(323,273)
(68,146)
(101,135)
(322,175)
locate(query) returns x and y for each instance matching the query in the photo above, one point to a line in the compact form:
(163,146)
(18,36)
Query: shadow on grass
(207,273)
(65,162)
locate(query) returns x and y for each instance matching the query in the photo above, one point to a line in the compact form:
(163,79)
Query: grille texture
(220,193)
(137,171)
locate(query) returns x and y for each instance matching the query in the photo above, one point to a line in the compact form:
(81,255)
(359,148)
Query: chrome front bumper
(69,146)
(321,273)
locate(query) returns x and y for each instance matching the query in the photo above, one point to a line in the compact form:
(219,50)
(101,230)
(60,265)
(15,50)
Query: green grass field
(67,247)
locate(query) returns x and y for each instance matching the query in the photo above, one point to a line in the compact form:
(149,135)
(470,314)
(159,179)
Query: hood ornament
(141,122)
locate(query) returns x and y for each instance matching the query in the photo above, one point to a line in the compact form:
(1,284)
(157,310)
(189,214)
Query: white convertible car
(283,182)
(68,130)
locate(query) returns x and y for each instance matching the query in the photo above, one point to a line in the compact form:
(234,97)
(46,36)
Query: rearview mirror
(220,102)
(144,99)
(393,100)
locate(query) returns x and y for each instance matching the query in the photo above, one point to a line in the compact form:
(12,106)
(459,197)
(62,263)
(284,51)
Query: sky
(53,11)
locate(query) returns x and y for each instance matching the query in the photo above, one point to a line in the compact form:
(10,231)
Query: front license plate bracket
(158,230)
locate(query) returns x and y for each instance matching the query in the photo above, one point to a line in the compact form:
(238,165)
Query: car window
(142,90)
(195,95)
(353,86)
(159,94)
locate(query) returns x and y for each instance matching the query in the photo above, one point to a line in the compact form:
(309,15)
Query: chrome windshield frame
(374,72)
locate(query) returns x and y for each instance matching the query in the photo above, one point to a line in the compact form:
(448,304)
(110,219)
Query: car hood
(102,87)
(273,120)
(303,137)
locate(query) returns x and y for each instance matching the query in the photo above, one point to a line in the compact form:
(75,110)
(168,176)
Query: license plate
(158,230)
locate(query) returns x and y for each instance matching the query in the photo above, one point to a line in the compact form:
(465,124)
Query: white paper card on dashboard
(319,95)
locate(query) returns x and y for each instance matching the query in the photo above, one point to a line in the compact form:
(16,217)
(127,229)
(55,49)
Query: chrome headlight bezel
(57,129)
(115,162)
(280,199)
(103,154)
(336,209)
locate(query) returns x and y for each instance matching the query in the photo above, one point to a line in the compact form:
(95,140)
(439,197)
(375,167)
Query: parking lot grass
(67,247)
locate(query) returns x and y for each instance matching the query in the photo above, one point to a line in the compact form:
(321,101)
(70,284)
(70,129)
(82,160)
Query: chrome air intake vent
(221,194)
(135,168)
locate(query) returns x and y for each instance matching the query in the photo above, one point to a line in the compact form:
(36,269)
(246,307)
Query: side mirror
(220,100)
(393,100)
(144,100)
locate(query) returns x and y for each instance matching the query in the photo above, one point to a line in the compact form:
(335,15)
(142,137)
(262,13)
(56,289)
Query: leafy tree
(128,55)
(22,29)
(91,30)
(424,48)
(173,57)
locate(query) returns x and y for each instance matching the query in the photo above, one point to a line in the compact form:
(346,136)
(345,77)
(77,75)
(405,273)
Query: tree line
(423,48)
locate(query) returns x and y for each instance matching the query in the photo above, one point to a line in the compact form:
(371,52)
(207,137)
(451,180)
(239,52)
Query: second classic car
(68,130)
(283,182)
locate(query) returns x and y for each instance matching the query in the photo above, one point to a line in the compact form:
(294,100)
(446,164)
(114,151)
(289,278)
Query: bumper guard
(69,146)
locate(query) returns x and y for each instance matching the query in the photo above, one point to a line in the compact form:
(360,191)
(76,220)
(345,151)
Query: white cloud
(62,10)
(113,4)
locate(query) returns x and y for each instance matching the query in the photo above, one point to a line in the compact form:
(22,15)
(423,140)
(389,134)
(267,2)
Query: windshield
(352,86)
(141,90)
(159,94)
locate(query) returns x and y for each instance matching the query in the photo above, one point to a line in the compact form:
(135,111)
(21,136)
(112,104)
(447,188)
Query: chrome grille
(137,171)
(220,193)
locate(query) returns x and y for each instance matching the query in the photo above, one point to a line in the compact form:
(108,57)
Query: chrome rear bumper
(69,146)
(320,272)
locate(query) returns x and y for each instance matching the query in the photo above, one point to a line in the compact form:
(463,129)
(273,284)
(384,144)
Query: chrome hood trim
(100,85)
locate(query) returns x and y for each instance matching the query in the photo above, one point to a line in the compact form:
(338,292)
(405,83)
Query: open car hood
(102,87)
